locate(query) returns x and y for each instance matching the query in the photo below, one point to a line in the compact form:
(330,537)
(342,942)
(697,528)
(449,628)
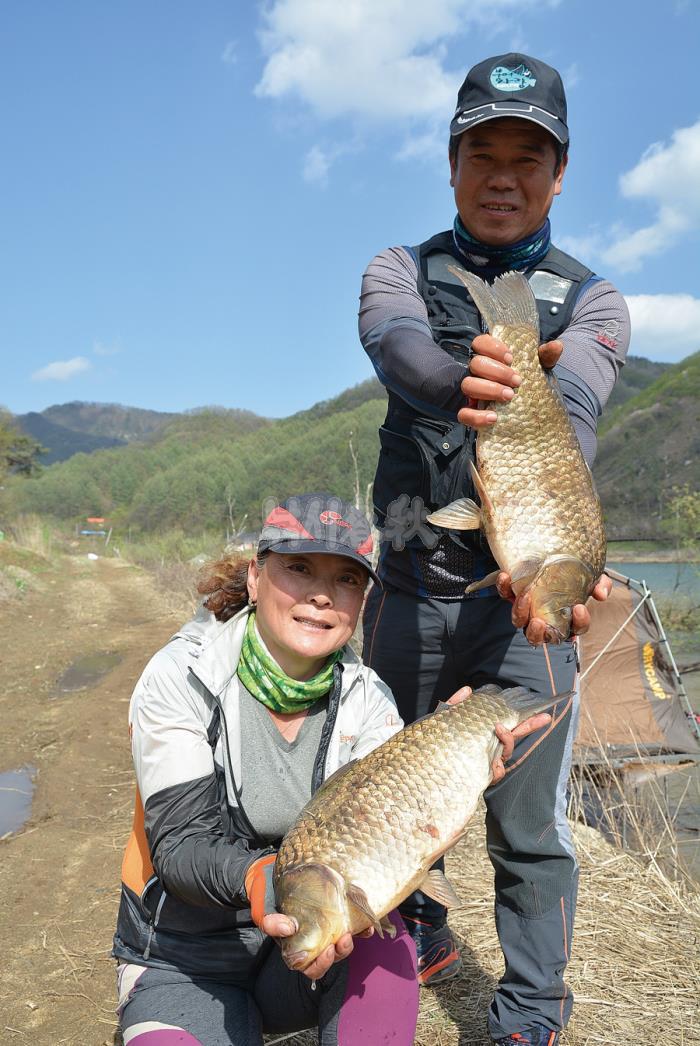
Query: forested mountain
(648,446)
(80,428)
(108,419)
(214,468)
(61,443)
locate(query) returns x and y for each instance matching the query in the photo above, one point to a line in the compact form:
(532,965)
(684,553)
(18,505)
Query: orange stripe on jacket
(137,867)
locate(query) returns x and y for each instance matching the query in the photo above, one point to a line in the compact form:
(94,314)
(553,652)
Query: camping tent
(633,702)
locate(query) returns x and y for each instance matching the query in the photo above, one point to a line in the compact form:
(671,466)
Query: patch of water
(87,671)
(16,792)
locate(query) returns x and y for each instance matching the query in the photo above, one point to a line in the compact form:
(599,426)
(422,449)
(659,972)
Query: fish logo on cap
(505,79)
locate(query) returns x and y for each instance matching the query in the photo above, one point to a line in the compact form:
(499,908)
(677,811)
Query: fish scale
(538,435)
(381,822)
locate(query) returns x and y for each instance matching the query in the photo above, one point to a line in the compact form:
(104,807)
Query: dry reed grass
(32,532)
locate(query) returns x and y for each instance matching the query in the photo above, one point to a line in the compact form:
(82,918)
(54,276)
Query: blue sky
(192,191)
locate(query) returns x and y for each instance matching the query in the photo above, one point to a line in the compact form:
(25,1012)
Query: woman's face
(307,607)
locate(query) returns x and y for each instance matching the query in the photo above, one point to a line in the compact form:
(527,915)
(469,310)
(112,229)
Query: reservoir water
(665,580)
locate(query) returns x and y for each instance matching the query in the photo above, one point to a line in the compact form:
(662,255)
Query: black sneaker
(536,1036)
(438,957)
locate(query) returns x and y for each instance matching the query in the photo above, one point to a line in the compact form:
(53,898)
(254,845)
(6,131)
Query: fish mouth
(554,635)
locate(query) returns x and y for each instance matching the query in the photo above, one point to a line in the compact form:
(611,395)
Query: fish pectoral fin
(388,927)
(525,572)
(485,582)
(437,886)
(480,488)
(463,514)
(357,898)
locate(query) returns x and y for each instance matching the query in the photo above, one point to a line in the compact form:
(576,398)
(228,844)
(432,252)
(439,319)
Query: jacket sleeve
(177,781)
(396,335)
(595,348)
(380,716)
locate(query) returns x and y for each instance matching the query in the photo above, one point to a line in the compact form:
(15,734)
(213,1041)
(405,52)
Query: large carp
(539,508)
(368,837)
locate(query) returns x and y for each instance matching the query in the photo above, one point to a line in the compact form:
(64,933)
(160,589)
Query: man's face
(504,180)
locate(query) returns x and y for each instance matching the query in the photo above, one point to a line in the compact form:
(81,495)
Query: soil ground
(59,876)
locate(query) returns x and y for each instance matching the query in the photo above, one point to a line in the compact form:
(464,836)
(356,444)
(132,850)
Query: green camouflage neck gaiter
(263,677)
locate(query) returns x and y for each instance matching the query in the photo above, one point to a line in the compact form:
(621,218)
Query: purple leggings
(369,999)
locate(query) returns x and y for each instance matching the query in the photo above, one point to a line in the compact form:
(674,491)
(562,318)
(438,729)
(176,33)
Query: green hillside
(648,446)
(636,375)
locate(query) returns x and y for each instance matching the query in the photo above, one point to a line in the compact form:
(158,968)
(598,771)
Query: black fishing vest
(427,457)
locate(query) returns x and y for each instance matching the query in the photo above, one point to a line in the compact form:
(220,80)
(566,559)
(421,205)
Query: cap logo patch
(334,518)
(505,79)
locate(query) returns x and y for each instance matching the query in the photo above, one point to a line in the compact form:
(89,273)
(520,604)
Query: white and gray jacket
(183,895)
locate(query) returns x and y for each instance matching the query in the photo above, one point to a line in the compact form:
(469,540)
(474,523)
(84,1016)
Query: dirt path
(59,876)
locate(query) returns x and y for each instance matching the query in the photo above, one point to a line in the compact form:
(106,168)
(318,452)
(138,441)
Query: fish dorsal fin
(437,886)
(335,776)
(481,489)
(508,300)
(357,898)
(463,514)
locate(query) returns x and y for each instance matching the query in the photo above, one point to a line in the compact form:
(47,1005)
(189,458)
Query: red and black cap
(512,85)
(324,523)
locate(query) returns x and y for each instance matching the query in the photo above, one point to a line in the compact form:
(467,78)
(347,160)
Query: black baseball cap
(322,523)
(512,85)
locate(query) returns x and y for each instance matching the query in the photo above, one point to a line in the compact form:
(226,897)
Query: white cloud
(61,370)
(664,326)
(316,165)
(379,62)
(667,176)
(100,349)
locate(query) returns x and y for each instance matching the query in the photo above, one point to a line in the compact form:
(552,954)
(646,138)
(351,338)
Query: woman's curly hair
(225,583)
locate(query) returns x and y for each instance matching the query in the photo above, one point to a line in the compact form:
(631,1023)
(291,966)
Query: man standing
(508,153)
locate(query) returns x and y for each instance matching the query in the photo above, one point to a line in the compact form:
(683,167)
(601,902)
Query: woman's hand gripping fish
(539,508)
(369,836)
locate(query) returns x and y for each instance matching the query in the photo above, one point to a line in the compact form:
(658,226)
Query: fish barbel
(369,836)
(539,508)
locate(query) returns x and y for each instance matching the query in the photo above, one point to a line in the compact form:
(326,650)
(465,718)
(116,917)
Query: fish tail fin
(523,701)
(508,301)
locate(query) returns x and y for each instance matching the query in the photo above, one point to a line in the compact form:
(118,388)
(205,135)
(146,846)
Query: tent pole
(683,693)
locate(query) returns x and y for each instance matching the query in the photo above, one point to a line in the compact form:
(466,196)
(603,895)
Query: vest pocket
(403,471)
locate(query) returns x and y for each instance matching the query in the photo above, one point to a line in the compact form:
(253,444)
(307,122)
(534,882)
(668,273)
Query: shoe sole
(441,972)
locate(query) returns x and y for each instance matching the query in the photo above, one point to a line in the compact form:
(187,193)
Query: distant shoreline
(660,555)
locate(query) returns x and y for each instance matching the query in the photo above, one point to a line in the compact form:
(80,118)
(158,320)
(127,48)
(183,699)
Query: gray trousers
(425,649)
